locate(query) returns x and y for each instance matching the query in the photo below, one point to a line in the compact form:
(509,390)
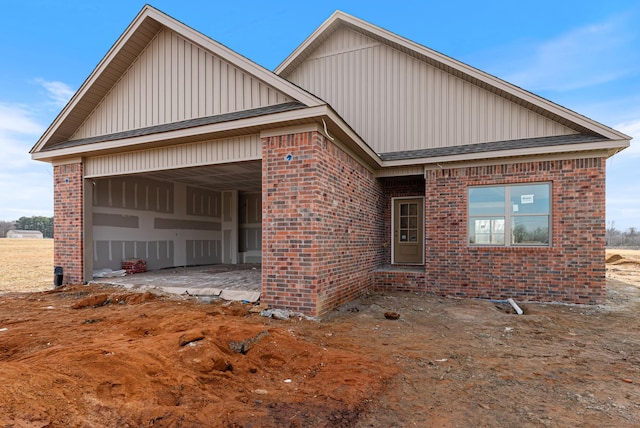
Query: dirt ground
(94,356)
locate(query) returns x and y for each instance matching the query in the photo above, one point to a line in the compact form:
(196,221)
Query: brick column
(68,221)
(288,245)
(322,224)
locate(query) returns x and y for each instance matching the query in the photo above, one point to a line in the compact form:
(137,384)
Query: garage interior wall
(171,224)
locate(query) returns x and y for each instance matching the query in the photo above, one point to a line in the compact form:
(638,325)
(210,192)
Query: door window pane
(409,222)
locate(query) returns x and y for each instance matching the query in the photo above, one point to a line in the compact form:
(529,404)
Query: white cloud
(623,186)
(632,129)
(60,93)
(15,119)
(25,185)
(586,56)
(18,133)
(28,193)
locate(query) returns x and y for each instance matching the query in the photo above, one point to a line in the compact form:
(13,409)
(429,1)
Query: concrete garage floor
(227,282)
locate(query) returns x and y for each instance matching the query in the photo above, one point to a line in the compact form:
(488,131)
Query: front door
(408,231)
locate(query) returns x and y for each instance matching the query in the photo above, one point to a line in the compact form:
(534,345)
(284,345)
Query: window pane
(532,230)
(486,231)
(404,209)
(530,199)
(413,209)
(404,222)
(486,200)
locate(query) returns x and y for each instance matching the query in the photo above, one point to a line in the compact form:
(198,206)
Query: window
(409,222)
(513,215)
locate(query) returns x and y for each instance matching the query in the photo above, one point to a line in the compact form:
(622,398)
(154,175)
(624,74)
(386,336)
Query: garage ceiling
(242,176)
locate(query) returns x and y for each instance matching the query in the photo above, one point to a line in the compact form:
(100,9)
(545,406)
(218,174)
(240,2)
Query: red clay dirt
(91,356)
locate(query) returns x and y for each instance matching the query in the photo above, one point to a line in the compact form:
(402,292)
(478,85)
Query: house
(366,161)
(24,234)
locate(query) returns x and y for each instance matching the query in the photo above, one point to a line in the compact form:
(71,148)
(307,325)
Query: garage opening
(179,218)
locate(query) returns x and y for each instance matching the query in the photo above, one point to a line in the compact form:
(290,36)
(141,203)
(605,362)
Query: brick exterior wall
(68,221)
(571,270)
(323,228)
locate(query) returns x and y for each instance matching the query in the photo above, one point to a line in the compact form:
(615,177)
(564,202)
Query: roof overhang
(54,145)
(122,54)
(329,121)
(604,148)
(459,69)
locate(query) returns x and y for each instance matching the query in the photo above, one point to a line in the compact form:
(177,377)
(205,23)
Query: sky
(583,55)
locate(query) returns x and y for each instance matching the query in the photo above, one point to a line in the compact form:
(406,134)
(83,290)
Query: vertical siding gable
(397,102)
(224,150)
(173,80)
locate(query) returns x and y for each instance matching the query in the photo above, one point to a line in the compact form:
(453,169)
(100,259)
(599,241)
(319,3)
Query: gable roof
(124,52)
(68,135)
(580,124)
(183,124)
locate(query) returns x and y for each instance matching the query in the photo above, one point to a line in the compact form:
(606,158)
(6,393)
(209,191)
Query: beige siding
(173,80)
(397,102)
(182,156)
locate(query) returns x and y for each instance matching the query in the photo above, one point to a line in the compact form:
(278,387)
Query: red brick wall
(322,224)
(571,270)
(68,221)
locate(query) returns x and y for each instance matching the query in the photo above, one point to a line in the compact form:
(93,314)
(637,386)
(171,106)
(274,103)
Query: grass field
(26,264)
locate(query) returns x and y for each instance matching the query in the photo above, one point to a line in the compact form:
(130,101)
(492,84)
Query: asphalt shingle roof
(184,124)
(492,146)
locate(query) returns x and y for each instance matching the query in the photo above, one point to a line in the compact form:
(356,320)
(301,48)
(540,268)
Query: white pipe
(515,306)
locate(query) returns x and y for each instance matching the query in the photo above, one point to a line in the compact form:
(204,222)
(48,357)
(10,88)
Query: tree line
(618,238)
(43,224)
(615,237)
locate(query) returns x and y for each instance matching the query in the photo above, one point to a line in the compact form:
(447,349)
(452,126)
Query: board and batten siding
(173,80)
(212,152)
(397,102)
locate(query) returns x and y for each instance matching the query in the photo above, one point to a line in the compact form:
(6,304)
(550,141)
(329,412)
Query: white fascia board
(95,74)
(148,12)
(488,79)
(353,136)
(308,41)
(129,143)
(271,121)
(533,151)
(394,39)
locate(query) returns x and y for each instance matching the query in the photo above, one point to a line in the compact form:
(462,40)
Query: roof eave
(197,133)
(333,126)
(473,73)
(97,71)
(610,147)
(150,13)
(293,56)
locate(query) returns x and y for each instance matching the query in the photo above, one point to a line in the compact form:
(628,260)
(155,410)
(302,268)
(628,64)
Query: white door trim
(393,222)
